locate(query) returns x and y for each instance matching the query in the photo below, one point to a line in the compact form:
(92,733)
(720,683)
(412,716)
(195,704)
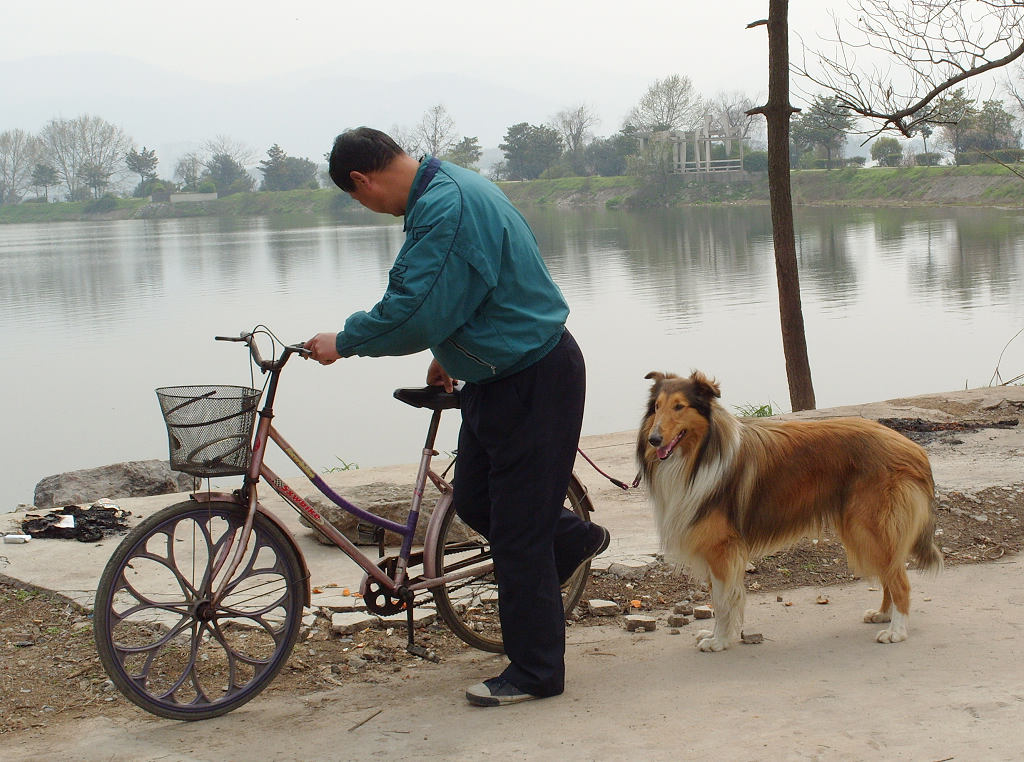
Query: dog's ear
(658,376)
(705,386)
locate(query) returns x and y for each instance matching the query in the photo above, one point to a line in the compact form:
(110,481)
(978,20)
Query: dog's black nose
(655,440)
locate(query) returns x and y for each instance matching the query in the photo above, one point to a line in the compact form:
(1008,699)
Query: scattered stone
(683,608)
(643,622)
(600,607)
(678,620)
(356,663)
(630,569)
(703,612)
(822,600)
(751,638)
(349,622)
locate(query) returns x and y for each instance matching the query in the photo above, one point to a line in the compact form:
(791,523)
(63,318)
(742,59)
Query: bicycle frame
(396,585)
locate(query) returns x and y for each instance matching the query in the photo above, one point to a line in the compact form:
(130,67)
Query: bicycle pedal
(423,653)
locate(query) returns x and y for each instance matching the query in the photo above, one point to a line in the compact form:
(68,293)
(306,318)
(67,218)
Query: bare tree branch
(926,46)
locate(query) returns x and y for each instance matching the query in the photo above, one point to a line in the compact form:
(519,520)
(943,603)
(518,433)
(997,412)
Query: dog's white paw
(892,635)
(707,642)
(876,617)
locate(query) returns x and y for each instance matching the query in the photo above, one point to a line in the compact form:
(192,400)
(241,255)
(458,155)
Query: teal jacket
(469,284)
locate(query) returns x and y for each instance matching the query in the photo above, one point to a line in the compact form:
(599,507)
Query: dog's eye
(680,406)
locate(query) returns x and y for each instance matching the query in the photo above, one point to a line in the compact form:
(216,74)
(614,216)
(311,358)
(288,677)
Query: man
(470,285)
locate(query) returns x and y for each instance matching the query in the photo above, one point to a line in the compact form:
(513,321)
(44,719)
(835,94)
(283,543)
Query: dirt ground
(50,673)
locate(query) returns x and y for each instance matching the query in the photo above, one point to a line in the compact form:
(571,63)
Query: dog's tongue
(665,450)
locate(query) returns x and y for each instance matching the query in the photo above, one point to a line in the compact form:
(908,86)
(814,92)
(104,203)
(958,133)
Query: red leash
(612,479)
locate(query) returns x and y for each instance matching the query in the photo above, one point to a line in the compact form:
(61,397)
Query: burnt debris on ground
(922,431)
(73,522)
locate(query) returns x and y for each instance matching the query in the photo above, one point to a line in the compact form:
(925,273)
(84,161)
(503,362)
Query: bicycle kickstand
(412,647)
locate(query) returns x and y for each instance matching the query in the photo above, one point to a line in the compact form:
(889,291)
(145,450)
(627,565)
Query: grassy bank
(313,203)
(985,184)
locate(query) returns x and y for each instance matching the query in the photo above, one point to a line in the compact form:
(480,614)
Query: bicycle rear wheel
(163,643)
(469,606)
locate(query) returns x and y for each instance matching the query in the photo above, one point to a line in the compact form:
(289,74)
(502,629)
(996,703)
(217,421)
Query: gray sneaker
(496,692)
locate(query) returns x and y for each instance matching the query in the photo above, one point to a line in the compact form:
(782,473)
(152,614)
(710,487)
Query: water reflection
(897,301)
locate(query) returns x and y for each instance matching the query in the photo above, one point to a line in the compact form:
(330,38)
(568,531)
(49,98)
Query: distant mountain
(301,112)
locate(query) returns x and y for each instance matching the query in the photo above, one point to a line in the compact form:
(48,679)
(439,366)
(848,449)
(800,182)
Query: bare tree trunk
(777,112)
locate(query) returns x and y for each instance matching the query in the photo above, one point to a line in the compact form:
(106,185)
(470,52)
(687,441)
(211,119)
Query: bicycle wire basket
(209,428)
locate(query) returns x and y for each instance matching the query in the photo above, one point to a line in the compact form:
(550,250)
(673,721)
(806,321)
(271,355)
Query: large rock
(137,478)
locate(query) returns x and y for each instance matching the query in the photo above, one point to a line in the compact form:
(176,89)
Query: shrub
(106,204)
(756,161)
(1004,155)
(930,159)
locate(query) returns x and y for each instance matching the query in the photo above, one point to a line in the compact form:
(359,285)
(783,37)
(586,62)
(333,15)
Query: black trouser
(517,446)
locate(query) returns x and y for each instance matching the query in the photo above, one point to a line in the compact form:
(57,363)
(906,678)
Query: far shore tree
(529,150)
(574,125)
(466,153)
(224,145)
(436,134)
(18,152)
(96,178)
(72,145)
(44,176)
(282,172)
(731,109)
(143,163)
(671,103)
(228,175)
(189,171)
(886,151)
(825,125)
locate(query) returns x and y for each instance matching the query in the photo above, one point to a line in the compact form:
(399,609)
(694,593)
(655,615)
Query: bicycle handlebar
(248,338)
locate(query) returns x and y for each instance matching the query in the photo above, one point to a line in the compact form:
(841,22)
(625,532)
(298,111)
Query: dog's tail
(924,551)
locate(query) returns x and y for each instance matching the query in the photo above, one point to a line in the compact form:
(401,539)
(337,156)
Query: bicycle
(200,605)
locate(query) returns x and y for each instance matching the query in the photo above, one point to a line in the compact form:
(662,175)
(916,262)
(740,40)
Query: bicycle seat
(432,397)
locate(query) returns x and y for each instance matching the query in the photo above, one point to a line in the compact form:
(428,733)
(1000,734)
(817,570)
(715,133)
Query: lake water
(95,315)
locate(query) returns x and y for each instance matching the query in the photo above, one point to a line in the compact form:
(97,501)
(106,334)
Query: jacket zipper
(471,356)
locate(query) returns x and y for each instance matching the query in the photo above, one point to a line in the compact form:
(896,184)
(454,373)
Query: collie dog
(727,489)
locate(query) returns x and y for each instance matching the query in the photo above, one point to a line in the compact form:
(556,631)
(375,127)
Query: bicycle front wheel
(166,646)
(469,606)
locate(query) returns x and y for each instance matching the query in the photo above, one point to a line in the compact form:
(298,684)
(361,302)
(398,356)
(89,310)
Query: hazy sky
(549,55)
(235,40)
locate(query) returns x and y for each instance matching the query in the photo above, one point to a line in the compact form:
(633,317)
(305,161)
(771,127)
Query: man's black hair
(363,149)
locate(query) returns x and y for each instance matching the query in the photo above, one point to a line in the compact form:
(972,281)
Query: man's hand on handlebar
(323,348)
(437,376)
